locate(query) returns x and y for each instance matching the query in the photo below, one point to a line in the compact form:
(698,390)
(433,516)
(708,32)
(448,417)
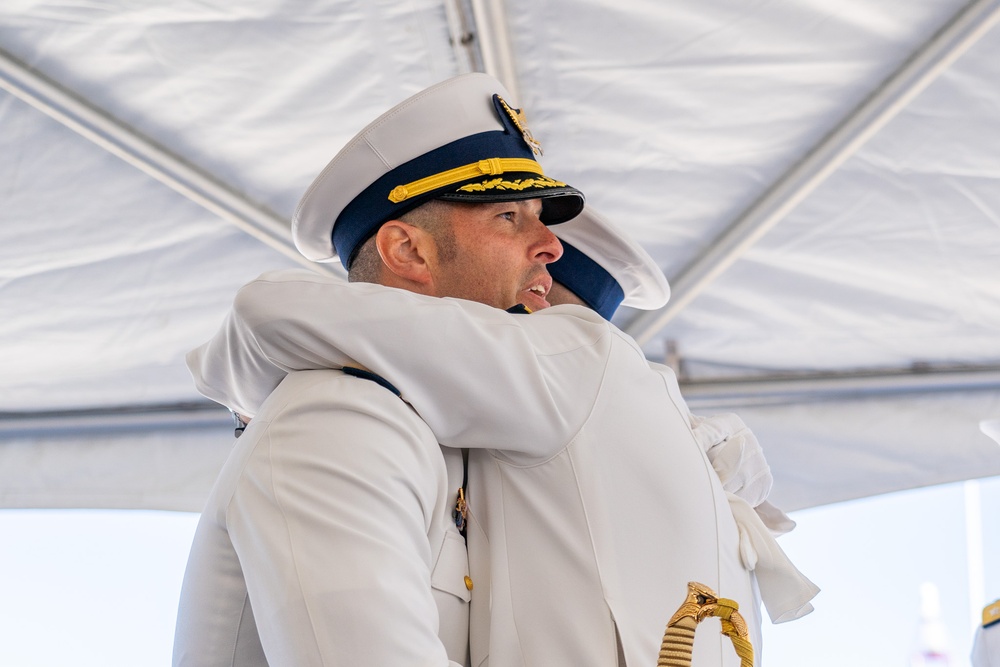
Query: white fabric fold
(776,521)
(785,591)
(991,427)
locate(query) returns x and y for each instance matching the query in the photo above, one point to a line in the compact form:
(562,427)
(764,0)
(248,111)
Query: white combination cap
(460,140)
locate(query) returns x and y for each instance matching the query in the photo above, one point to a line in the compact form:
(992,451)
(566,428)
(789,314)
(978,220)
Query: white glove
(736,456)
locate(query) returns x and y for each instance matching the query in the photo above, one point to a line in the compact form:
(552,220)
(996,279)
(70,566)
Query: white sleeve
(479,377)
(732,449)
(986,646)
(329,518)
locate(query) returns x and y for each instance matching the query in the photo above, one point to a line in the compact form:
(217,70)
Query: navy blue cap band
(366,212)
(588,280)
(363,216)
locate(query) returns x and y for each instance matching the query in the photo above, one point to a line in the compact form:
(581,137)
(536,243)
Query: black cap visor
(559,204)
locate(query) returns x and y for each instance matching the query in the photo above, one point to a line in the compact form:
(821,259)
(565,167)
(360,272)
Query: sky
(86,588)
(870,558)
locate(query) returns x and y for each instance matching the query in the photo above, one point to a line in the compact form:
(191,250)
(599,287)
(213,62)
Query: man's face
(499,254)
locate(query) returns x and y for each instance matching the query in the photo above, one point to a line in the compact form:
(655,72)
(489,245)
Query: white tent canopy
(818,180)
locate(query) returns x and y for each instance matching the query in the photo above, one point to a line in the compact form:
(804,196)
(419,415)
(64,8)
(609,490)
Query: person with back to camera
(545,411)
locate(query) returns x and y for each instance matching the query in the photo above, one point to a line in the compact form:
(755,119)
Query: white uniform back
(328,538)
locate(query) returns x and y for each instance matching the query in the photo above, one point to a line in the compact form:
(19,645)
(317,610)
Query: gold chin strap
(701,602)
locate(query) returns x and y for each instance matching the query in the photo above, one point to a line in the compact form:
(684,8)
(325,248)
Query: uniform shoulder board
(991,614)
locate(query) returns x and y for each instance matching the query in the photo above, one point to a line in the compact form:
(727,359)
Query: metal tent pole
(953,40)
(141,152)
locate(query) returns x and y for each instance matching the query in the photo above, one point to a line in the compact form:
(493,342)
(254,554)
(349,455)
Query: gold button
(468,583)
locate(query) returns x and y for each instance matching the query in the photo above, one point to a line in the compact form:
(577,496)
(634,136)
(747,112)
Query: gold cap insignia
(521,123)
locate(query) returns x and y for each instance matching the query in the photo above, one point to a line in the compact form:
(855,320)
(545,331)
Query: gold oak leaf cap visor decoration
(459,140)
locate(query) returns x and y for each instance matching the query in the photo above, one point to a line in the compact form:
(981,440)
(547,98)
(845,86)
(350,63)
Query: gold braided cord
(493,166)
(701,602)
(735,627)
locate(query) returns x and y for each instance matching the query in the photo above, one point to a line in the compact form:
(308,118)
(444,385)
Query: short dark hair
(366,266)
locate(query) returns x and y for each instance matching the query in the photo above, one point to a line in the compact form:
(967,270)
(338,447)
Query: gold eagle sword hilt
(701,602)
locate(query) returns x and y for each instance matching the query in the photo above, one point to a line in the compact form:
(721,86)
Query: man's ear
(404,251)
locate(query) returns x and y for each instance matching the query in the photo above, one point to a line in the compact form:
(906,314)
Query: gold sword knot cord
(701,603)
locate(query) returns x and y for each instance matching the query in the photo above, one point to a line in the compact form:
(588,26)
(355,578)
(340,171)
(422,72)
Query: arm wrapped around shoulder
(736,456)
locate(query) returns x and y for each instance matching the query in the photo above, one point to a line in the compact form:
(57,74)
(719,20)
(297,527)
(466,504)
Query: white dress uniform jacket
(986,643)
(328,538)
(592,504)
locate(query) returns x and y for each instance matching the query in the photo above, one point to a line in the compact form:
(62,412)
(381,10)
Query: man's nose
(547,248)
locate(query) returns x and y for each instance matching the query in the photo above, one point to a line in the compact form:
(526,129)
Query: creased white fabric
(785,591)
